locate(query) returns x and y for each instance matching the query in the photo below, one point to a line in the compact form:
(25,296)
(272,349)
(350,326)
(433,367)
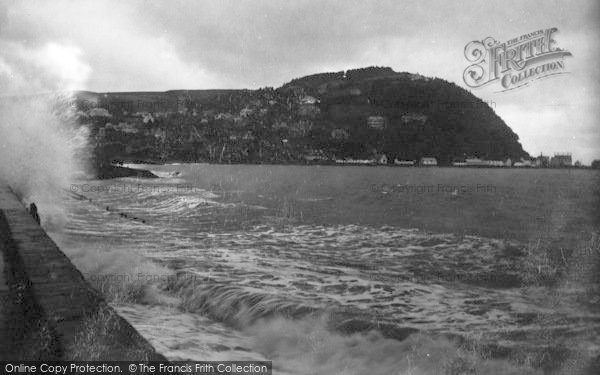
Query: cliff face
(358,114)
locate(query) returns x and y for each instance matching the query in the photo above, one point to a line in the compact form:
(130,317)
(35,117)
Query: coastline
(333,163)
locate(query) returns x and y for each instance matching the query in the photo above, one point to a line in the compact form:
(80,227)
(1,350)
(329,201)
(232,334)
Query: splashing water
(41,148)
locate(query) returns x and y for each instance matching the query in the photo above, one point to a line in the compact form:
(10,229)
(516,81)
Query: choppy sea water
(320,270)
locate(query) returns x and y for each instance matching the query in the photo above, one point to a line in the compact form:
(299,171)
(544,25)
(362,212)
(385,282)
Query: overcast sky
(162,45)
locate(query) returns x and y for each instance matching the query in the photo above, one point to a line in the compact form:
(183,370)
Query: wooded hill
(356,114)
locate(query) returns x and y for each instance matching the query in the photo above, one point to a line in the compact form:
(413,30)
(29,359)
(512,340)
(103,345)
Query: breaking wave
(211,276)
(43,149)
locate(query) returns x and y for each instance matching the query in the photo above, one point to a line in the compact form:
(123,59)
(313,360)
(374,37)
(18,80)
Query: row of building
(559,160)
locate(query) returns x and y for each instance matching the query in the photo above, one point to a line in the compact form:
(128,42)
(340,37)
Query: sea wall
(47,309)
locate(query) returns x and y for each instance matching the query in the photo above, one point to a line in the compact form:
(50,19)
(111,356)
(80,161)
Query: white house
(309,100)
(428,162)
(376,122)
(404,162)
(475,162)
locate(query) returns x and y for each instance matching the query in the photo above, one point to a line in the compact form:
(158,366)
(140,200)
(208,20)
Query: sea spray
(308,346)
(41,147)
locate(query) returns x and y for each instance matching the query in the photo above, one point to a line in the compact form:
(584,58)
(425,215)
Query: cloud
(558,114)
(64,62)
(75,39)
(51,67)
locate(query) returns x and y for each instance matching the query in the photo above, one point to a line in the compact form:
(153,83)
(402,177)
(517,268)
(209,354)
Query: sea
(349,270)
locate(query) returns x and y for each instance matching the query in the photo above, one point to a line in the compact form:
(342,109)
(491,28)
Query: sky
(154,45)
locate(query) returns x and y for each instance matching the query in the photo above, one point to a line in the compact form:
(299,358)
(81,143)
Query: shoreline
(313,164)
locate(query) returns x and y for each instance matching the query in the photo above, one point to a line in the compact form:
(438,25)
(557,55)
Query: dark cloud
(267,42)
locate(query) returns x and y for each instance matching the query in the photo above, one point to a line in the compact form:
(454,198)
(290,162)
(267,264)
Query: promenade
(9,315)
(5,311)
(47,309)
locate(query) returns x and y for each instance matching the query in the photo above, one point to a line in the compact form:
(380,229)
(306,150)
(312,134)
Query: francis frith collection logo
(514,63)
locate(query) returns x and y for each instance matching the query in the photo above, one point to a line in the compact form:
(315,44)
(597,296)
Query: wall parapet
(52,312)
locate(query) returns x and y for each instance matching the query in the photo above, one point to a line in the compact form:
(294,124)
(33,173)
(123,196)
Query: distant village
(265,126)
(559,160)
